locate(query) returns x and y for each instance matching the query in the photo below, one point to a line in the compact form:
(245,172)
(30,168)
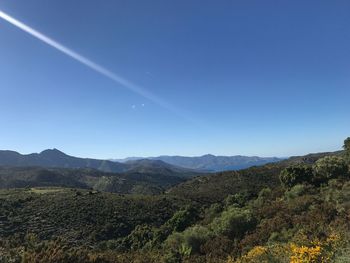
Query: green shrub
(139,237)
(347,149)
(263,196)
(183,218)
(239,199)
(233,223)
(219,247)
(211,212)
(173,257)
(177,223)
(296,174)
(328,168)
(338,193)
(295,191)
(190,240)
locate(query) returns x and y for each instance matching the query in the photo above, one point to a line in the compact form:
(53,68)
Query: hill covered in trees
(297,210)
(142,180)
(49,169)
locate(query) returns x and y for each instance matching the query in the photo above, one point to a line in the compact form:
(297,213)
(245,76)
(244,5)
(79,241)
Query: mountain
(53,168)
(54,158)
(211,162)
(148,166)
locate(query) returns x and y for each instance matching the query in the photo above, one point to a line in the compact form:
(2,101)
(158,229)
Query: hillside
(147,166)
(296,210)
(144,182)
(211,162)
(215,187)
(55,168)
(79,216)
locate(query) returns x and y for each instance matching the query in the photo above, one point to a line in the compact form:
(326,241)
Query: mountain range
(53,158)
(209,162)
(56,169)
(53,168)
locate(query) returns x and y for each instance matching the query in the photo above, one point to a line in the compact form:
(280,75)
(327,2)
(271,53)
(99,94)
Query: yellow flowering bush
(257,254)
(304,254)
(310,252)
(260,254)
(317,252)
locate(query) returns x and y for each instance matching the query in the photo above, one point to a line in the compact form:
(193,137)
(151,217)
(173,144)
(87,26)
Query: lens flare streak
(89,63)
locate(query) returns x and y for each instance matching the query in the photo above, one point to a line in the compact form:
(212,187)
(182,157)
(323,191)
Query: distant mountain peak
(54,158)
(53,152)
(151,163)
(208,155)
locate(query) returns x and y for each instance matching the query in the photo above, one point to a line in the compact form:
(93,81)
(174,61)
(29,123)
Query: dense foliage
(330,167)
(296,174)
(347,149)
(231,217)
(153,181)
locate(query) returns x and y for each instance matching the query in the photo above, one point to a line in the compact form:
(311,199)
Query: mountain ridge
(209,162)
(53,158)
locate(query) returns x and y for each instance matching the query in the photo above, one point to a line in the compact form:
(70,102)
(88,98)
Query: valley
(295,208)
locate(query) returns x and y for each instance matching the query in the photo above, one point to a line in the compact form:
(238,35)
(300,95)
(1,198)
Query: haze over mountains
(53,158)
(210,162)
(56,158)
(53,168)
(56,169)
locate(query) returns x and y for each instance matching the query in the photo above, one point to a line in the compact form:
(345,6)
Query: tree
(189,241)
(183,218)
(296,174)
(139,237)
(234,222)
(347,149)
(178,223)
(328,168)
(238,199)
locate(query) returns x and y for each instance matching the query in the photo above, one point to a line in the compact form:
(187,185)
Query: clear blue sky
(268,78)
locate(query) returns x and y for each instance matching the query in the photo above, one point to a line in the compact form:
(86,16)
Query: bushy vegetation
(215,188)
(296,174)
(146,182)
(323,170)
(247,216)
(328,168)
(347,149)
